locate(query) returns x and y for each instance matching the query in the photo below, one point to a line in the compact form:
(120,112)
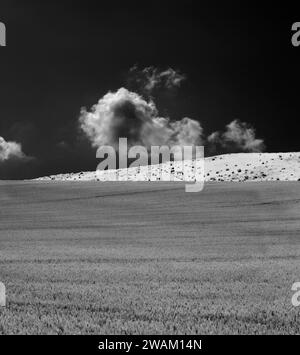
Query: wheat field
(149,258)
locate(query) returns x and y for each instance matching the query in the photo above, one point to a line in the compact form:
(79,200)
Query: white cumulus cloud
(126,114)
(9,150)
(237,137)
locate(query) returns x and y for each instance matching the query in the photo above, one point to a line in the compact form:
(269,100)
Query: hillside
(228,167)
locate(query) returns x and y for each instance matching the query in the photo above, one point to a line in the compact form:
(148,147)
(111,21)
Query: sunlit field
(149,258)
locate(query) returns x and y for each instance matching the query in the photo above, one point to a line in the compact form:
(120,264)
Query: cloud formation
(238,137)
(126,114)
(151,78)
(10,150)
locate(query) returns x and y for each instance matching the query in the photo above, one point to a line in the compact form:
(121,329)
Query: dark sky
(62,55)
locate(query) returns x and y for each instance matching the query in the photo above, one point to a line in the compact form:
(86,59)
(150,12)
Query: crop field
(149,258)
